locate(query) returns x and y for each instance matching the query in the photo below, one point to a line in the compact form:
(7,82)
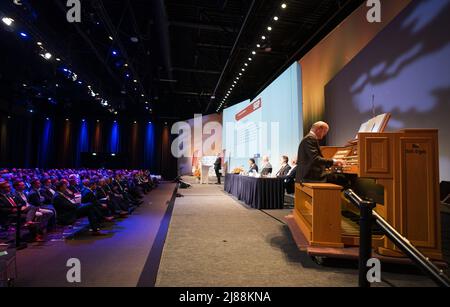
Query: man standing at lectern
(311,163)
(218,167)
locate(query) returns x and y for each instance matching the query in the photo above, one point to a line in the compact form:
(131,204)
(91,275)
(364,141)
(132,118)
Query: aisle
(122,258)
(214,240)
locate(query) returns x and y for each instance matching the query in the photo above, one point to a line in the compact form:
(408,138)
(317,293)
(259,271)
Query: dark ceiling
(153,58)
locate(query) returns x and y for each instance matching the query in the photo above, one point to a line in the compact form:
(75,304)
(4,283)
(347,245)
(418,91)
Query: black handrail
(367,214)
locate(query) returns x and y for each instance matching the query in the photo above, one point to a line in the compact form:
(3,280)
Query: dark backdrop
(30,140)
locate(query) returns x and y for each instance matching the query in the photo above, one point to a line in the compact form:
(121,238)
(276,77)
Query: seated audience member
(116,196)
(9,210)
(34,214)
(68,211)
(88,196)
(266,167)
(73,185)
(104,198)
(285,168)
(9,205)
(47,191)
(253,167)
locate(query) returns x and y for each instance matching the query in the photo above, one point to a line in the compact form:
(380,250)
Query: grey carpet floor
(214,240)
(117,259)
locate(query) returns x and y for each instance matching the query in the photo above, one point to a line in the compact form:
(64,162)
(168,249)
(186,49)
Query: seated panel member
(311,162)
(285,168)
(253,166)
(267,167)
(289,179)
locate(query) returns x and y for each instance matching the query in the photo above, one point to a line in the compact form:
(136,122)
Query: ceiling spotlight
(134,39)
(142,95)
(126,65)
(58,59)
(234,82)
(263,37)
(110,37)
(135,81)
(67,119)
(275,18)
(250,59)
(245,64)
(253,52)
(115,113)
(114,52)
(269,28)
(46,55)
(258,45)
(240,74)
(146,102)
(39,43)
(23,34)
(284,5)
(7,21)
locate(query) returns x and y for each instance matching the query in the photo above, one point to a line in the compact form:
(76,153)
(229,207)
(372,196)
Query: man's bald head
(320,129)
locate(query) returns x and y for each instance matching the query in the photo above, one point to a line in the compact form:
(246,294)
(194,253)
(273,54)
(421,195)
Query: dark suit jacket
(311,163)
(101,193)
(66,210)
(88,196)
(218,164)
(34,198)
(284,171)
(5,206)
(254,167)
(48,196)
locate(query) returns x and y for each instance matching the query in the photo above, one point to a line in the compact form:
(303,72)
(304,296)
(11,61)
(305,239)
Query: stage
(215,240)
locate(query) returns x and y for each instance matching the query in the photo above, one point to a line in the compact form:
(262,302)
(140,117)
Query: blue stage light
(23,34)
(114,52)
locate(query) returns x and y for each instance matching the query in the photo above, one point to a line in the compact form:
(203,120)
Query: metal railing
(367,217)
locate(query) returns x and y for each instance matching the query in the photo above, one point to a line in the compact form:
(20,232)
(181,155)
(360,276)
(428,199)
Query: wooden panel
(375,156)
(418,199)
(326,216)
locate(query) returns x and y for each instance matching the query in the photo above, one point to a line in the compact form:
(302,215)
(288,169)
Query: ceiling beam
(197,71)
(201,26)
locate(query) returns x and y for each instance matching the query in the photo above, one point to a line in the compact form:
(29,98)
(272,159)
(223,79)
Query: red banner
(249,110)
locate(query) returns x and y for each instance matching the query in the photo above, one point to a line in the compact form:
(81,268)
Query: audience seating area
(44,203)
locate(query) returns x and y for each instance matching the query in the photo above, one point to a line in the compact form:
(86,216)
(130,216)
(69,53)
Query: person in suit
(253,166)
(103,197)
(10,209)
(34,214)
(311,162)
(88,196)
(218,167)
(289,179)
(267,167)
(37,200)
(47,191)
(68,211)
(285,168)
